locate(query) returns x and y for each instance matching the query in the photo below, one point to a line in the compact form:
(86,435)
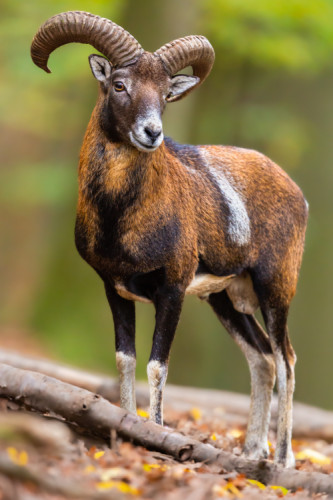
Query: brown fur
(167,189)
(147,221)
(156,219)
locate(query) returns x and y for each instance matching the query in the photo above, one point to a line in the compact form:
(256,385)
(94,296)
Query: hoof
(255,452)
(286,461)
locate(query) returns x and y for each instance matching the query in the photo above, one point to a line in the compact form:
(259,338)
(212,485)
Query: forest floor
(42,457)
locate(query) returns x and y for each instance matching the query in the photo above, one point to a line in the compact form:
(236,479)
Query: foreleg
(168,303)
(123,312)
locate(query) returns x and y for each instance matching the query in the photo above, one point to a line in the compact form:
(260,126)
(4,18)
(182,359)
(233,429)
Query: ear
(101,68)
(181,84)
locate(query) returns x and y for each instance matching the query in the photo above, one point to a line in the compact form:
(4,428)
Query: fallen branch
(309,422)
(105,386)
(46,394)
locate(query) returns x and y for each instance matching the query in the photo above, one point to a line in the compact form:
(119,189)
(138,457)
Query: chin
(143,147)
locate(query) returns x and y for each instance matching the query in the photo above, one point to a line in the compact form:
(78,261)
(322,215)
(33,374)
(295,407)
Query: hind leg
(285,359)
(254,343)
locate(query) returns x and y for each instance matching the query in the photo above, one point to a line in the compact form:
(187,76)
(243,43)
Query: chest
(121,239)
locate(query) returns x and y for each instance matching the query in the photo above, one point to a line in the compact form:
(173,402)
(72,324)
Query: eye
(119,86)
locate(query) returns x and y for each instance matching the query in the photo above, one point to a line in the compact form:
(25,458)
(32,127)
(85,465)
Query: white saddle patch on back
(239,222)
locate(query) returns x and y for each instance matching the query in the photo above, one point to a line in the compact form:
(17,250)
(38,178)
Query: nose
(153,134)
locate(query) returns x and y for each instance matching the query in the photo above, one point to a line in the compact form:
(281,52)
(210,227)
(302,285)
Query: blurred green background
(271,89)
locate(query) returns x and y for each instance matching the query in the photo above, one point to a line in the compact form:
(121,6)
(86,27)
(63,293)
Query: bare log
(80,406)
(309,422)
(105,386)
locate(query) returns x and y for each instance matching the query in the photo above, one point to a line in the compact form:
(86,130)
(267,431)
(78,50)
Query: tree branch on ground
(46,394)
(308,421)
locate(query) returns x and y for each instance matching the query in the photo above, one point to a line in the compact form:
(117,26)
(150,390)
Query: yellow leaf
(314,456)
(196,413)
(19,458)
(127,488)
(89,469)
(236,433)
(105,485)
(120,485)
(257,483)
(12,453)
(270,446)
(233,489)
(179,472)
(115,472)
(213,437)
(142,413)
(22,458)
(283,490)
(219,490)
(149,467)
(99,454)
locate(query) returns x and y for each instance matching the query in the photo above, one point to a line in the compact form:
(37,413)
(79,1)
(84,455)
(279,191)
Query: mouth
(142,146)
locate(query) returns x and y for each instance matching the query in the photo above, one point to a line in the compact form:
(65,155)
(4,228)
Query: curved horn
(195,51)
(75,26)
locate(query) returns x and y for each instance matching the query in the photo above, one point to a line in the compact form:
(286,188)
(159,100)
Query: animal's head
(135,84)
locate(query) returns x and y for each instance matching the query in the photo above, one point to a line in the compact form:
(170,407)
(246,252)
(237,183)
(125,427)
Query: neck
(117,168)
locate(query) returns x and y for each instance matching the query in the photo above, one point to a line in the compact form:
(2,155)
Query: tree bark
(46,394)
(309,422)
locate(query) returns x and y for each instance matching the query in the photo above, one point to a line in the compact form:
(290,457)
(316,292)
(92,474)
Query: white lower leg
(285,385)
(262,383)
(157,374)
(126,367)
(262,370)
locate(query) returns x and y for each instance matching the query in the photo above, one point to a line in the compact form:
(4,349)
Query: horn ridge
(119,46)
(193,50)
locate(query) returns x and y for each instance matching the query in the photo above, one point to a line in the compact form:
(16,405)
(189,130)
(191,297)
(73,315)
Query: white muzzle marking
(151,140)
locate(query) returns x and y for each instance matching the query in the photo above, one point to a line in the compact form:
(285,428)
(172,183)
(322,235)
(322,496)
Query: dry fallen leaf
(142,413)
(149,467)
(18,457)
(256,483)
(196,414)
(119,485)
(89,469)
(235,433)
(116,473)
(281,489)
(228,490)
(314,456)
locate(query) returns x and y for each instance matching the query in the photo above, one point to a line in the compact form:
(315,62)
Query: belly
(239,289)
(202,285)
